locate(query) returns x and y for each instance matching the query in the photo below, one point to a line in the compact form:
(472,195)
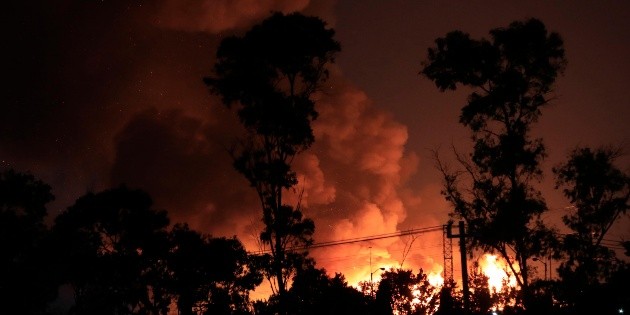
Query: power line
(358,239)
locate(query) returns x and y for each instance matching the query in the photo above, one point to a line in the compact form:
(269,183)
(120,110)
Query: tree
(314,292)
(114,247)
(209,275)
(26,277)
(485,298)
(403,292)
(450,301)
(269,75)
(600,194)
(481,298)
(511,76)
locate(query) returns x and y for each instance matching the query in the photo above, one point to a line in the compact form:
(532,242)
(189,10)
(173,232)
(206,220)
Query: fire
(496,269)
(435,279)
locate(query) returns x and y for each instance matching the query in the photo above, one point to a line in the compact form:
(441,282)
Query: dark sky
(100,93)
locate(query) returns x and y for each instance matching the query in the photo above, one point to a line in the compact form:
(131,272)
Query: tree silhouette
(481,298)
(27,281)
(114,247)
(600,194)
(314,292)
(317,294)
(616,291)
(209,275)
(511,76)
(484,298)
(450,300)
(269,75)
(403,292)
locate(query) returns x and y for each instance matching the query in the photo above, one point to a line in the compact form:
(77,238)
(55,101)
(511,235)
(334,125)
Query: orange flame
(496,269)
(435,279)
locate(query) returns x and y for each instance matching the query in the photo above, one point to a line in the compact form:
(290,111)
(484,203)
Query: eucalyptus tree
(599,192)
(268,76)
(209,275)
(113,246)
(511,76)
(403,292)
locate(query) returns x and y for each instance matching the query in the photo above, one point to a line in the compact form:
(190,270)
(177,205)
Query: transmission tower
(447,249)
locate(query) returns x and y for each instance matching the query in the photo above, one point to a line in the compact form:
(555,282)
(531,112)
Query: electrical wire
(357,239)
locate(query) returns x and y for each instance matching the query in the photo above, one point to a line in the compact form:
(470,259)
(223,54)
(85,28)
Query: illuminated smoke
(353,184)
(122,101)
(351,180)
(215,16)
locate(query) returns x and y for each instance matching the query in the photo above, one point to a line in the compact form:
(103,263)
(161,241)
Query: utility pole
(462,251)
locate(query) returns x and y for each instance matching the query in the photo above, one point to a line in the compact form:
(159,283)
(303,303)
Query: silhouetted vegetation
(117,254)
(599,193)
(114,247)
(27,280)
(314,292)
(209,275)
(403,292)
(269,74)
(511,75)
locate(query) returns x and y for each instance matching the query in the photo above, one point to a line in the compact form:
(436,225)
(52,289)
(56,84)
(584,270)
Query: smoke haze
(107,92)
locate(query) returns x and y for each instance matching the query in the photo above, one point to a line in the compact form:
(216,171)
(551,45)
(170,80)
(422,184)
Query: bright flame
(435,279)
(496,269)
(416,296)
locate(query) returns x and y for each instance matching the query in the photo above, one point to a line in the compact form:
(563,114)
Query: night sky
(99,93)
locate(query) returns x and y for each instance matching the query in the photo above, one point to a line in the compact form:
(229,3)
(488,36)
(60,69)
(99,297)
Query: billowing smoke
(118,98)
(361,151)
(215,16)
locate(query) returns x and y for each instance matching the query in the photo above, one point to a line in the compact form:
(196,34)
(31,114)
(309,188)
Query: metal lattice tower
(447,249)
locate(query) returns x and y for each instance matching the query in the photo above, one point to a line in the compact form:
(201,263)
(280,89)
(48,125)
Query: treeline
(511,78)
(117,254)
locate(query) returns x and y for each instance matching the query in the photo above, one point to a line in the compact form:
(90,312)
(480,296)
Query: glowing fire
(496,269)
(435,279)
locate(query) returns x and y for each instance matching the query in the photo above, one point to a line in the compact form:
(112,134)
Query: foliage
(27,283)
(209,275)
(114,250)
(118,257)
(481,298)
(314,292)
(403,292)
(450,299)
(114,247)
(511,76)
(601,298)
(600,193)
(270,74)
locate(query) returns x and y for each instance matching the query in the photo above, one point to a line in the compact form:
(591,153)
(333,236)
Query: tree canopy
(114,246)
(511,76)
(269,75)
(599,193)
(27,281)
(118,254)
(209,275)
